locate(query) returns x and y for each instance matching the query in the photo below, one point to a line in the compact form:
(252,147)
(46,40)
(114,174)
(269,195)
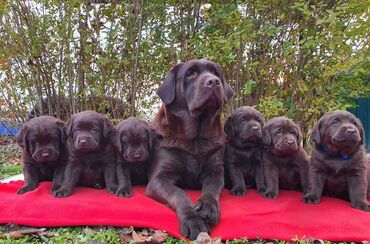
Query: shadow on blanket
(250,216)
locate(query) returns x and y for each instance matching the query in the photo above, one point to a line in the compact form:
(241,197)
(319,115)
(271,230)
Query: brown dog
(91,155)
(338,162)
(44,154)
(190,155)
(243,151)
(134,143)
(285,161)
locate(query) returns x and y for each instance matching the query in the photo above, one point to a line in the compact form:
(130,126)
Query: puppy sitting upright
(243,151)
(338,163)
(133,140)
(285,161)
(44,154)
(91,154)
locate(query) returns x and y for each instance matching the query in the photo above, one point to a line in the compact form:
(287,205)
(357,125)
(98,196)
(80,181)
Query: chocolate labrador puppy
(338,162)
(91,154)
(44,154)
(285,161)
(190,155)
(243,151)
(134,143)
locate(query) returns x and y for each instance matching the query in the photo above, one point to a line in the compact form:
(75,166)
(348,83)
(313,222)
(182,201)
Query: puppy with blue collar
(339,167)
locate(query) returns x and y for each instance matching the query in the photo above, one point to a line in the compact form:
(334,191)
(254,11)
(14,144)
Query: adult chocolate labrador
(190,155)
(338,162)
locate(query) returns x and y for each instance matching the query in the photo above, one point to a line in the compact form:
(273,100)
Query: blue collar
(325,149)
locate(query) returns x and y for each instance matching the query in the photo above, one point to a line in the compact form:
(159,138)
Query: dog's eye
(355,123)
(243,120)
(192,74)
(335,122)
(77,130)
(93,130)
(279,132)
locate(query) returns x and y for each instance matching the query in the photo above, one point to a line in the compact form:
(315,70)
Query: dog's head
(134,140)
(88,131)
(43,138)
(197,86)
(281,136)
(339,131)
(244,126)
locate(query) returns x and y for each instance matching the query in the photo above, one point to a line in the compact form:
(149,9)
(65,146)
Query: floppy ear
(229,126)
(228,92)
(22,137)
(362,131)
(316,132)
(107,128)
(116,140)
(167,90)
(62,129)
(68,127)
(152,138)
(266,137)
(300,136)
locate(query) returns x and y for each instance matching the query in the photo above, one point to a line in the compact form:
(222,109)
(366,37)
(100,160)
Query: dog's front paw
(61,193)
(112,189)
(364,206)
(191,224)
(238,191)
(124,192)
(25,189)
(208,208)
(310,199)
(270,194)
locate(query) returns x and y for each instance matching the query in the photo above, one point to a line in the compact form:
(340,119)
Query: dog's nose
(350,131)
(45,155)
(212,82)
(136,155)
(289,141)
(255,128)
(83,141)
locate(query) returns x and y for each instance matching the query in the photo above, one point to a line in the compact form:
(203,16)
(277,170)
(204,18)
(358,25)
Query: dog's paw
(238,191)
(208,208)
(364,206)
(61,193)
(270,194)
(191,224)
(310,199)
(25,189)
(124,192)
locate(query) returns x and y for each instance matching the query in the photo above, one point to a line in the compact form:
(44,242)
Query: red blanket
(252,216)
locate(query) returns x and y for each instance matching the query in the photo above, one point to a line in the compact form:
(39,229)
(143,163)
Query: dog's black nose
(289,141)
(212,82)
(136,155)
(45,155)
(350,131)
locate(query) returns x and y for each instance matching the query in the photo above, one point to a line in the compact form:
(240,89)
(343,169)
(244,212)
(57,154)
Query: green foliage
(298,58)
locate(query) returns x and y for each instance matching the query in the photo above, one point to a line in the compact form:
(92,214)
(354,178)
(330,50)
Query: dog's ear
(152,137)
(69,127)
(116,139)
(316,131)
(229,126)
(228,92)
(22,137)
(107,127)
(266,136)
(361,130)
(167,90)
(62,130)
(299,136)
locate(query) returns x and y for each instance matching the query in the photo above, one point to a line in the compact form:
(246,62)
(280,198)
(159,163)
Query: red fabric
(251,216)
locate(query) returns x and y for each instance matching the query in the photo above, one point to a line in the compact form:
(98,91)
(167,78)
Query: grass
(10,155)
